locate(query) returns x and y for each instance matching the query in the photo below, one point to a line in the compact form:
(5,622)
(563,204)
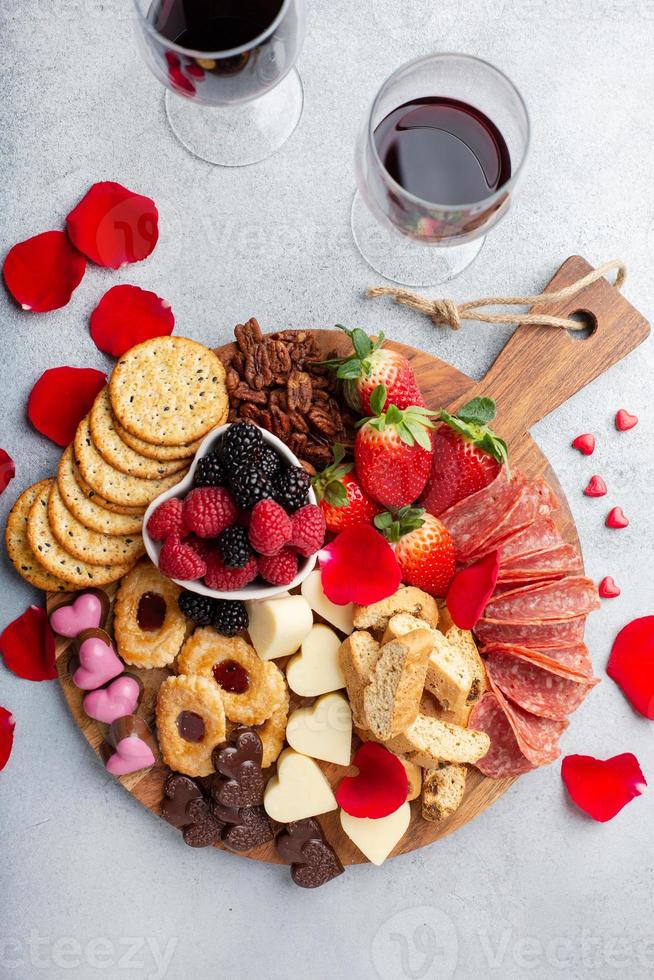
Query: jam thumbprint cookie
(190,724)
(148,625)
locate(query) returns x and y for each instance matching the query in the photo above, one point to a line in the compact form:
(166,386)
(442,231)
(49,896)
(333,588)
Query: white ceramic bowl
(256,590)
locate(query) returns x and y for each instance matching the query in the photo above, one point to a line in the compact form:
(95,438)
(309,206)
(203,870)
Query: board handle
(541,367)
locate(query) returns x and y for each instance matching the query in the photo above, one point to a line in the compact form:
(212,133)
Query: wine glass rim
(423,202)
(227,52)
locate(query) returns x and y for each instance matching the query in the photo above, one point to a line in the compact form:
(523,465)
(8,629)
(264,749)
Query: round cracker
(120,488)
(49,553)
(90,546)
(122,457)
(101,502)
(18,547)
(86,509)
(156,452)
(169,391)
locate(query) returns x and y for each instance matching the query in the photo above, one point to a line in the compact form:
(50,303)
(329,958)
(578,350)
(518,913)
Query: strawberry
(423,548)
(393,451)
(371,365)
(467,456)
(340,496)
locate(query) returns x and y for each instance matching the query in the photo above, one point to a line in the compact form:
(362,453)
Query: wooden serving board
(537,371)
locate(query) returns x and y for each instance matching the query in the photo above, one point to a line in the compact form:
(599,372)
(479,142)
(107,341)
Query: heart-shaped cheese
(315,669)
(98,663)
(299,789)
(110,703)
(338,616)
(377,838)
(131,755)
(323,731)
(278,626)
(85,613)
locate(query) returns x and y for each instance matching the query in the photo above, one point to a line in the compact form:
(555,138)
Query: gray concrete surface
(92,885)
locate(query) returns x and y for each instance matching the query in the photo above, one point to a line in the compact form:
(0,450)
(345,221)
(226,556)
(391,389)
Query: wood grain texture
(533,375)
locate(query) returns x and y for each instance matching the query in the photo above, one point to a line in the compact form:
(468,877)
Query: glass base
(238,135)
(402,260)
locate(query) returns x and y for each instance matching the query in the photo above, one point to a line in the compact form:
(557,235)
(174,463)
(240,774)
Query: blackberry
(234,547)
(292,488)
(266,460)
(200,609)
(210,471)
(238,443)
(249,486)
(231,617)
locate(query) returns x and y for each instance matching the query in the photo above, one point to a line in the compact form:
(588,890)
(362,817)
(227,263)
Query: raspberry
(270,528)
(179,561)
(279,569)
(309,526)
(201,546)
(209,510)
(224,579)
(167,519)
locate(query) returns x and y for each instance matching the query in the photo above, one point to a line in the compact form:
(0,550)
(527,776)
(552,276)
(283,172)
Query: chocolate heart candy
(180,792)
(240,762)
(320,865)
(204,829)
(247,790)
(252,830)
(294,836)
(243,745)
(225,814)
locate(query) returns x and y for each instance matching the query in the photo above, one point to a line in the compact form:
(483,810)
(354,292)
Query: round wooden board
(442,386)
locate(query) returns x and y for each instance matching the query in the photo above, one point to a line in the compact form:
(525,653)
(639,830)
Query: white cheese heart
(323,731)
(315,669)
(377,838)
(338,616)
(299,789)
(278,626)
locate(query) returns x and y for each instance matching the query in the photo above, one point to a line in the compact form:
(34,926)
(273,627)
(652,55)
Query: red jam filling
(190,726)
(231,676)
(151,612)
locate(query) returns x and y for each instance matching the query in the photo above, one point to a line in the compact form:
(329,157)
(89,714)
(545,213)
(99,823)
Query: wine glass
(234,96)
(437,165)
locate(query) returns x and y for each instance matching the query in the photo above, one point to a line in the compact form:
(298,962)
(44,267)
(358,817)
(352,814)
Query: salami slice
(535,688)
(572,661)
(504,758)
(553,563)
(564,599)
(553,633)
(536,501)
(475,518)
(538,738)
(539,536)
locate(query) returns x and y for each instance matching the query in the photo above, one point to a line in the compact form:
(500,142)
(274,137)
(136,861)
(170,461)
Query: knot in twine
(445,312)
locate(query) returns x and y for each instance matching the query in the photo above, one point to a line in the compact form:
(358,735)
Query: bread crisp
(392,699)
(357,657)
(464,642)
(442,791)
(429,741)
(407,599)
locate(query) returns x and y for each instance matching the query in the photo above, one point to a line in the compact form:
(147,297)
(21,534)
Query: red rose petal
(380,788)
(7,725)
(126,316)
(7,470)
(602,787)
(608,589)
(616,519)
(631,664)
(28,648)
(596,487)
(113,226)
(471,589)
(585,444)
(625,421)
(61,398)
(43,272)
(359,566)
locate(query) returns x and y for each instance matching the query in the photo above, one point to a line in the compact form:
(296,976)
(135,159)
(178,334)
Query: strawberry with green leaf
(341,497)
(423,548)
(393,451)
(467,455)
(370,365)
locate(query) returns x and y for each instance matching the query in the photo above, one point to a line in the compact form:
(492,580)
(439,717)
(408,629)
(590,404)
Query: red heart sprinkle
(616,519)
(7,726)
(602,787)
(471,589)
(585,444)
(631,664)
(7,470)
(28,648)
(113,226)
(43,272)
(596,487)
(625,421)
(359,566)
(61,398)
(126,316)
(608,589)
(380,788)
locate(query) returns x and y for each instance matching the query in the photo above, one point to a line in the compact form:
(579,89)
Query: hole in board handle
(589,321)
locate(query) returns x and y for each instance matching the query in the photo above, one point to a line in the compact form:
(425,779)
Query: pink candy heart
(119,699)
(83,614)
(98,664)
(131,755)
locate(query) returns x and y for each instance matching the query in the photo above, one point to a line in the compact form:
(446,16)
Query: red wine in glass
(213,25)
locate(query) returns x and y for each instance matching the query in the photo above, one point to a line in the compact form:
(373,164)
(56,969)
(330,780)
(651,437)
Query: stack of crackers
(84,528)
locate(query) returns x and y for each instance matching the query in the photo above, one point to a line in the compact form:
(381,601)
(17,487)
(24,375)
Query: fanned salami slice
(553,563)
(571,661)
(474,519)
(535,688)
(553,633)
(539,536)
(535,501)
(538,738)
(504,758)
(565,599)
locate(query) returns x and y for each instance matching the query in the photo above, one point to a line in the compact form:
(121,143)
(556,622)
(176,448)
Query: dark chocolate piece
(204,829)
(185,807)
(294,836)
(252,830)
(239,761)
(313,860)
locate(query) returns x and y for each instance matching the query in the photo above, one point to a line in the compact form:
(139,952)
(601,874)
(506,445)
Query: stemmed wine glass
(437,165)
(234,96)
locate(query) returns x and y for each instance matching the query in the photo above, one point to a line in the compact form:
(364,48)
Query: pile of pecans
(275,382)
